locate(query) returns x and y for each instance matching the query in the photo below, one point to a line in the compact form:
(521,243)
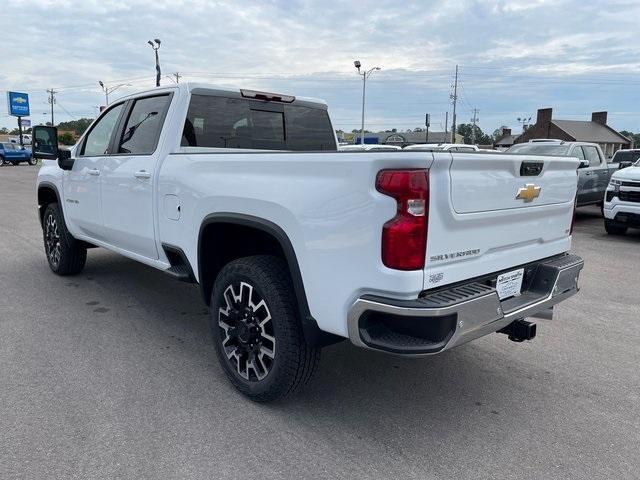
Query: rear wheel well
(227,237)
(222,242)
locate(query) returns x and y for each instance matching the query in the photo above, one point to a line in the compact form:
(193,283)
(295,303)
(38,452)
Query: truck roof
(216,90)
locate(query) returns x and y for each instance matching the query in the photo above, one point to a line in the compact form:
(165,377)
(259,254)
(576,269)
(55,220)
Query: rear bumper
(447,318)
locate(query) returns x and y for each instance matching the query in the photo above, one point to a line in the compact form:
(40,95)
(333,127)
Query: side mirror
(45,146)
(45,142)
(584,163)
(65,162)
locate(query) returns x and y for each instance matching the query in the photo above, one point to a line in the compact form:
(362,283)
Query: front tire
(66,256)
(613,229)
(32,161)
(256,330)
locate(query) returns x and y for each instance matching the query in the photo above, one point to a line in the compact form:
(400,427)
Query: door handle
(142,174)
(588,173)
(93,171)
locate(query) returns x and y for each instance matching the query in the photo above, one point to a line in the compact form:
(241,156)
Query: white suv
(622,201)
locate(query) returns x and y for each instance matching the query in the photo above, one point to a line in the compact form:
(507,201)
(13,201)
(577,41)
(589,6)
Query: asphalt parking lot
(111,374)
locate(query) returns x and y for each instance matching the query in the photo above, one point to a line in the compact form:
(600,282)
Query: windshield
(628,156)
(538,149)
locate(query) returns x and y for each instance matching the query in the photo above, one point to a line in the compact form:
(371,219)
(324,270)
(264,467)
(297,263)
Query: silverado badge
(528,192)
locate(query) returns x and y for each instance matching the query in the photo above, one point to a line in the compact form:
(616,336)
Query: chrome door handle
(93,171)
(142,174)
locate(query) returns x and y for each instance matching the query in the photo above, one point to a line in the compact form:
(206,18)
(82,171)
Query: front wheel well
(46,196)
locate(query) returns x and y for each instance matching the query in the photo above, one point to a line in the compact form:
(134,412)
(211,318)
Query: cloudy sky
(515,56)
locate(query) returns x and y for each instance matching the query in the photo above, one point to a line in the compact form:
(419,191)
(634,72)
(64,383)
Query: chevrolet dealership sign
(18,104)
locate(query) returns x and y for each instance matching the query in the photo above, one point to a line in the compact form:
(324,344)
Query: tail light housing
(404,237)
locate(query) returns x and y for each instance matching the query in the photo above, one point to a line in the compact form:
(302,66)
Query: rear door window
(141,133)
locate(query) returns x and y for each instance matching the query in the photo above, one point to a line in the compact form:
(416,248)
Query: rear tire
(613,229)
(66,256)
(257,331)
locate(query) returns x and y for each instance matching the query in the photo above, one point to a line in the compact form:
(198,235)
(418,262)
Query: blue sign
(367,140)
(18,104)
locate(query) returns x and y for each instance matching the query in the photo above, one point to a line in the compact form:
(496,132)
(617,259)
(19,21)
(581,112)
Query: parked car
(368,147)
(295,245)
(622,201)
(625,158)
(442,147)
(15,154)
(593,171)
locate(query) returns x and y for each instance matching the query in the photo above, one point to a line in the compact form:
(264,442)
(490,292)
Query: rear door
(128,177)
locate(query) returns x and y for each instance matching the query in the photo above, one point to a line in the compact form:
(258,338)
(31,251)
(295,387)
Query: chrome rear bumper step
(450,317)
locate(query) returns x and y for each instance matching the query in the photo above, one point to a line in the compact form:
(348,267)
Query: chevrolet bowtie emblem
(528,192)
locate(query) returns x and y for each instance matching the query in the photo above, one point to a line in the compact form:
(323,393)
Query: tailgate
(481,183)
(491,212)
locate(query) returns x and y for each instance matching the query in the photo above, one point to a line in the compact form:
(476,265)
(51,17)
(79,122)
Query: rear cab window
(222,122)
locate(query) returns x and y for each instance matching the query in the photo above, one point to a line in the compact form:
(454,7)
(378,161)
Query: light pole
(156,47)
(364,74)
(525,121)
(108,90)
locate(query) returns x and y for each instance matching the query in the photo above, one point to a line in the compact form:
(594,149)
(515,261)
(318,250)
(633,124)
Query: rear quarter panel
(325,202)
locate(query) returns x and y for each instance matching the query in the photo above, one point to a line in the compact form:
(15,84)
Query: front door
(82,183)
(129,176)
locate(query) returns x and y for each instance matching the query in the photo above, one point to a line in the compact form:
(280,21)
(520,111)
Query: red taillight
(404,237)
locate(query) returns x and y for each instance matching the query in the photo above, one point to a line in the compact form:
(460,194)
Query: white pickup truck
(295,245)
